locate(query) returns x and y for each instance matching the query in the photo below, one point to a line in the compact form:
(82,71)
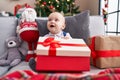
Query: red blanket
(108,74)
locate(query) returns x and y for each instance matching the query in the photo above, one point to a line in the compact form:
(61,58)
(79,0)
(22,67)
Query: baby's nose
(52,20)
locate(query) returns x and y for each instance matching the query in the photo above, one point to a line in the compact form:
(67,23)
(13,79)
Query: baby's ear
(63,27)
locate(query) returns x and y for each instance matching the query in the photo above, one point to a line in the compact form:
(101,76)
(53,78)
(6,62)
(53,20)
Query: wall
(92,5)
(8,5)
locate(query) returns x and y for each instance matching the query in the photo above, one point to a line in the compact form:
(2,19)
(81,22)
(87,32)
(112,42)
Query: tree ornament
(44,3)
(51,6)
(104,11)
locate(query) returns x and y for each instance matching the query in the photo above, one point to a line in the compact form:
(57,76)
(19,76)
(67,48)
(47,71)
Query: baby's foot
(32,64)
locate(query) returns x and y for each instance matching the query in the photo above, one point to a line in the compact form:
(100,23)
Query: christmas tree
(45,7)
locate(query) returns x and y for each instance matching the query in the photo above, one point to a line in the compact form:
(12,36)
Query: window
(113,16)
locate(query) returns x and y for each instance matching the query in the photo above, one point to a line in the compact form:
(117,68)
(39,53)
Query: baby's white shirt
(59,35)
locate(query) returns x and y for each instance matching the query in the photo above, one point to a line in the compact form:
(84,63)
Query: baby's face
(56,23)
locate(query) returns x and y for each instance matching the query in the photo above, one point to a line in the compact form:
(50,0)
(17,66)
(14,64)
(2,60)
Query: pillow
(77,26)
(7,29)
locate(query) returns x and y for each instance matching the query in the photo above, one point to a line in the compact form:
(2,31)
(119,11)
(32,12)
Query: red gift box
(62,55)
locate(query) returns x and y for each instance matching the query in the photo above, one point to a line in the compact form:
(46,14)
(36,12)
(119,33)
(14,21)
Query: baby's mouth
(52,25)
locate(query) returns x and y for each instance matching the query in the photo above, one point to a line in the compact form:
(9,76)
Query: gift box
(105,51)
(62,55)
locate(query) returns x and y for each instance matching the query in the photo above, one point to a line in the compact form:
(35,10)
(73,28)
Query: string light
(73,3)
(49,2)
(57,1)
(68,0)
(57,5)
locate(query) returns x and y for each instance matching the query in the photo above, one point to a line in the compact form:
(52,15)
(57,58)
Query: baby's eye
(49,19)
(56,19)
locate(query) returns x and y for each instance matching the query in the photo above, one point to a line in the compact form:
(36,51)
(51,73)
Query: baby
(55,24)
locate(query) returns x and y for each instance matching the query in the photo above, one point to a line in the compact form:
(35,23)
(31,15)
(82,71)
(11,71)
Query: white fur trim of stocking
(30,52)
(27,28)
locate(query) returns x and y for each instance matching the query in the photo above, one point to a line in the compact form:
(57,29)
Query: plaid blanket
(108,74)
(30,75)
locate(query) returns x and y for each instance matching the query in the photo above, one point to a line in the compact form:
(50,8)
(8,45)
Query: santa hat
(27,6)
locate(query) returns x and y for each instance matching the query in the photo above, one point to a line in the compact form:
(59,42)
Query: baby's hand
(66,37)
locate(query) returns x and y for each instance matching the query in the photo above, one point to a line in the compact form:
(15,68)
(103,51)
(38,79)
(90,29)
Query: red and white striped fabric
(27,26)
